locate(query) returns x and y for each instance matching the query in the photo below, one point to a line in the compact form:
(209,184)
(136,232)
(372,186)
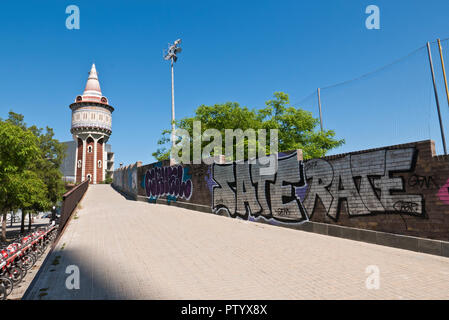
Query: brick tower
(91,128)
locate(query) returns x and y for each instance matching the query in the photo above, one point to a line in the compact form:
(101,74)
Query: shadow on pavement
(93,283)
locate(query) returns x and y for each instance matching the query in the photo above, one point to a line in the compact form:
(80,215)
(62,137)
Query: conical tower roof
(92,90)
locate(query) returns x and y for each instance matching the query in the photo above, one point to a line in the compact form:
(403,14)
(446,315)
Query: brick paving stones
(134,250)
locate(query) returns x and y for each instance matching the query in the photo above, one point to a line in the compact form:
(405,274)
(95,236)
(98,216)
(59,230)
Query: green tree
(52,154)
(297,128)
(41,178)
(50,161)
(33,196)
(18,150)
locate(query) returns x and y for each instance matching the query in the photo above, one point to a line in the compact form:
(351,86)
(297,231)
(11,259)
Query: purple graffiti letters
(168,181)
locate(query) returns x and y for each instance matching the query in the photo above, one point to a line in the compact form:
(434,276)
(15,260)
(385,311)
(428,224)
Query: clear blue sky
(233,50)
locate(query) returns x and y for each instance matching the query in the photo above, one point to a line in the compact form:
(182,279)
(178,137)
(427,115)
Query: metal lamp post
(171,54)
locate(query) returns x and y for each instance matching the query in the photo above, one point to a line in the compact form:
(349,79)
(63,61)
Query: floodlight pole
(173,49)
(172,161)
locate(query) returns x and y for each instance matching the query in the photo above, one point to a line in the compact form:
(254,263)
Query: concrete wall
(68,164)
(402,189)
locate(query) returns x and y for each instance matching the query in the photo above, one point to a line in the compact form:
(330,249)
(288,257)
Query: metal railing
(70,200)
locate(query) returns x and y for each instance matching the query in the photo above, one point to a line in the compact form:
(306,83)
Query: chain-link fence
(393,104)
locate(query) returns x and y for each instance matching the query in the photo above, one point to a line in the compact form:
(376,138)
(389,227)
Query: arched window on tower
(89,177)
(99,163)
(79,163)
(89,149)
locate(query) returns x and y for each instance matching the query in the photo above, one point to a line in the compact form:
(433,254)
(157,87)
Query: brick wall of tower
(99,159)
(79,158)
(90,159)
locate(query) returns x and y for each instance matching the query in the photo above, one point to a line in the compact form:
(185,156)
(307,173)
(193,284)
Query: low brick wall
(401,189)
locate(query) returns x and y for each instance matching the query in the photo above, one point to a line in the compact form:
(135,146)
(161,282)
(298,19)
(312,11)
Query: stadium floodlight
(171,54)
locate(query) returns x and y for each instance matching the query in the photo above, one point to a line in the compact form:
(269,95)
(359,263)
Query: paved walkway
(134,250)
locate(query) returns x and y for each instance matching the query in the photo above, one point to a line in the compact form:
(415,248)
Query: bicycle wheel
(40,250)
(35,256)
(8,284)
(28,261)
(23,269)
(15,274)
(2,292)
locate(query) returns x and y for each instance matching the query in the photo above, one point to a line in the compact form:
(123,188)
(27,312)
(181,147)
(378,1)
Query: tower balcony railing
(91,124)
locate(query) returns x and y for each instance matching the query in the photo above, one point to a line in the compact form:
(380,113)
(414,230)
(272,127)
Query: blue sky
(239,51)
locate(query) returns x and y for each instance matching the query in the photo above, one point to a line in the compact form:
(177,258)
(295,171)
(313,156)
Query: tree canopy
(30,159)
(297,128)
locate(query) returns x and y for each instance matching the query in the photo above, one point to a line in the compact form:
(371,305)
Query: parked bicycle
(21,255)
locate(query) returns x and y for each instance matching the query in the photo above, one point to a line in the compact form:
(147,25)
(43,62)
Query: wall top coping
(427,145)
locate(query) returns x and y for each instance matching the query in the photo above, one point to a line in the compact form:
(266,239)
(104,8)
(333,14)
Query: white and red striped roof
(92,92)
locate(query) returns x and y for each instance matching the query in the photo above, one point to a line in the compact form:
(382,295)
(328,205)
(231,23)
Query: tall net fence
(444,103)
(393,104)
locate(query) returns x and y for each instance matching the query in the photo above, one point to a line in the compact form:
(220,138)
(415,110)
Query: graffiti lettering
(126,178)
(422,182)
(172,182)
(443,193)
(363,182)
(241,190)
(282,211)
(404,206)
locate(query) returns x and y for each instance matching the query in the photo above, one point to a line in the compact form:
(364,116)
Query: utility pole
(436,97)
(172,50)
(319,105)
(444,70)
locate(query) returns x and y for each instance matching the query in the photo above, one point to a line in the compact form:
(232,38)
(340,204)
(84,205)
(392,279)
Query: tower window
(85,116)
(89,177)
(100,117)
(77,117)
(89,149)
(92,116)
(99,163)
(79,163)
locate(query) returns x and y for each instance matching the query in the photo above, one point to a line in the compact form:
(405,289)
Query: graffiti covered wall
(125,179)
(401,189)
(365,182)
(172,182)
(241,190)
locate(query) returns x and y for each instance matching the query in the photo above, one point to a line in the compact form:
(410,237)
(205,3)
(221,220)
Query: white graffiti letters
(223,195)
(246,195)
(284,202)
(242,189)
(398,160)
(363,182)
